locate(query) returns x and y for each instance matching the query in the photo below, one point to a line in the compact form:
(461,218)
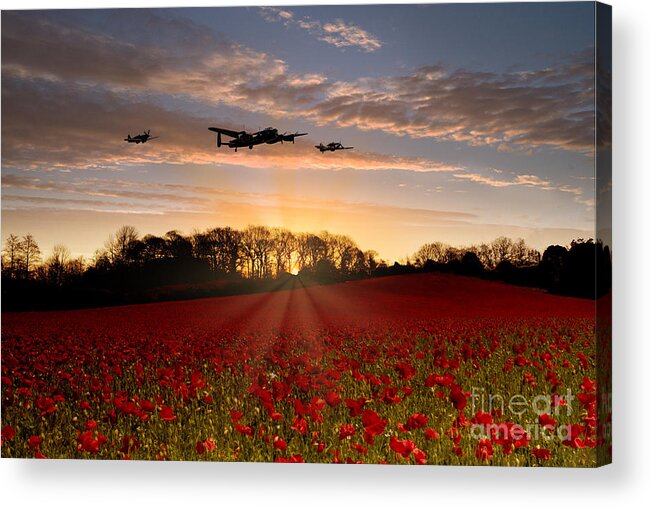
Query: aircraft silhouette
(332,147)
(243,139)
(140,138)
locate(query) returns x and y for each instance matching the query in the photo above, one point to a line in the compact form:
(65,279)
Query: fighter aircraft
(140,138)
(243,139)
(332,147)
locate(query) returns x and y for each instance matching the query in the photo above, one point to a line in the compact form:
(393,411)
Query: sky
(469,122)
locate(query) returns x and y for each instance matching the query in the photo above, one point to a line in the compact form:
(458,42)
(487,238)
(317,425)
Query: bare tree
(177,246)
(522,255)
(502,249)
(76,267)
(57,264)
(435,252)
(228,248)
(262,247)
(153,247)
(301,250)
(30,252)
(256,247)
(345,251)
(11,256)
(116,246)
(485,254)
(315,249)
(283,242)
(204,248)
(371,260)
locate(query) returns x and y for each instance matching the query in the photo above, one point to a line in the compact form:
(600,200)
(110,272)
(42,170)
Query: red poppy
(210,444)
(34,441)
(390,395)
(279,443)
(345,431)
(431,434)
(236,415)
(355,407)
(166,413)
(275,416)
(86,441)
(405,370)
(441,380)
(360,448)
(8,433)
(416,421)
(571,437)
(420,457)
(244,430)
(484,450)
(46,405)
(541,454)
(458,398)
(482,418)
(129,444)
(583,361)
(402,447)
(547,421)
(299,424)
(588,385)
(332,398)
(296,458)
(147,406)
(373,424)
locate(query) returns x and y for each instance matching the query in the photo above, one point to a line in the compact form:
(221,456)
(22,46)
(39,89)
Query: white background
(627,481)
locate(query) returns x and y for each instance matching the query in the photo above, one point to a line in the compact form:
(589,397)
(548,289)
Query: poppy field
(415,369)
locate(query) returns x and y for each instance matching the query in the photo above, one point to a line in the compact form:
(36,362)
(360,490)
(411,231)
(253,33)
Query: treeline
(220,261)
(130,268)
(582,270)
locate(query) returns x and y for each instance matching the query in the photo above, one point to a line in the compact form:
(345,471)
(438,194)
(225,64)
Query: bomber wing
(226,132)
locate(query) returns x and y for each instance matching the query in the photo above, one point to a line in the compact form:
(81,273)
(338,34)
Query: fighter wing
(226,132)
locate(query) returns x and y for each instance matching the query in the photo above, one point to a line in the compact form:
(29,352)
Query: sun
(294,271)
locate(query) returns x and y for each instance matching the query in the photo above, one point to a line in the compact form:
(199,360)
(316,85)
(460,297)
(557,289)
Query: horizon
(406,259)
(489,132)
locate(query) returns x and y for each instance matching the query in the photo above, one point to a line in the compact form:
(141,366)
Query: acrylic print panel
(330,234)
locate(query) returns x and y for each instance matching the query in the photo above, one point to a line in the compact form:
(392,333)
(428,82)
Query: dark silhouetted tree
(11,256)
(471,265)
(30,254)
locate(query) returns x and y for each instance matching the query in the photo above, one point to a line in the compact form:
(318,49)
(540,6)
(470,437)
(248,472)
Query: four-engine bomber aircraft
(243,139)
(140,138)
(332,147)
